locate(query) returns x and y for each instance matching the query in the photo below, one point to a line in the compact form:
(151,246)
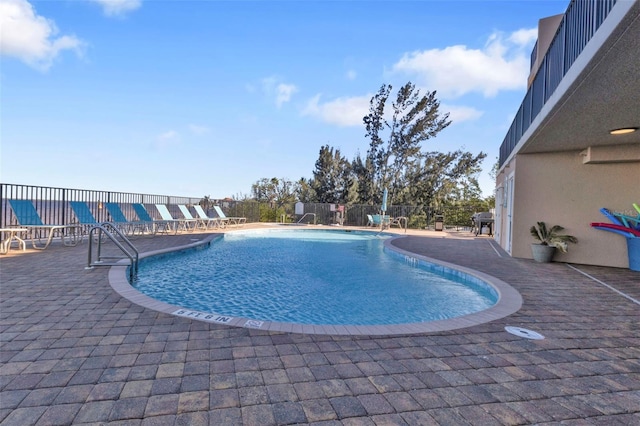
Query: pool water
(310,277)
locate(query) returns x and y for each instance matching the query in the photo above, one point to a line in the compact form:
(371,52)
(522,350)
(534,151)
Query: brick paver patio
(75,352)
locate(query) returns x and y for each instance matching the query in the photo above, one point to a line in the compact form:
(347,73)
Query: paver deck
(73,351)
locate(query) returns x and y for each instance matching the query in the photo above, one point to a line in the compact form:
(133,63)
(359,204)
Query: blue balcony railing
(534,56)
(579,23)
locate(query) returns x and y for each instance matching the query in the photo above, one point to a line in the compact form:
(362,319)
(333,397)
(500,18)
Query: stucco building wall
(559,189)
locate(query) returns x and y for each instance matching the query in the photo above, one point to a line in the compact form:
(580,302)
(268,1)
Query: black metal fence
(418,217)
(52,205)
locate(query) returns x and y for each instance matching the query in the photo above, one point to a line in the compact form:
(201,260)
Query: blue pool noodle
(611,217)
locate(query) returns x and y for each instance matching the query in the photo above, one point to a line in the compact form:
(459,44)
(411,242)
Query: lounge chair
(178,224)
(156,225)
(85,218)
(233,220)
(211,222)
(120,221)
(83,213)
(199,222)
(8,235)
(369,220)
(27,217)
(381,220)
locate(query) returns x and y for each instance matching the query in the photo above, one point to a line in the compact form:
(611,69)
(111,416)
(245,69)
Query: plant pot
(542,253)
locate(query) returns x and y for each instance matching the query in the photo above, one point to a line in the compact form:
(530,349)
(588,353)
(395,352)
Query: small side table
(10,234)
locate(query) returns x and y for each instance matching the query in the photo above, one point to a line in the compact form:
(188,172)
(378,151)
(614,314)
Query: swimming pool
(322,280)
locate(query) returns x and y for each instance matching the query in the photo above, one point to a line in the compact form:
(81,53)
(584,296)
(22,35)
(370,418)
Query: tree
(275,191)
(395,146)
(331,177)
(438,177)
(363,175)
(493,173)
(205,202)
(305,191)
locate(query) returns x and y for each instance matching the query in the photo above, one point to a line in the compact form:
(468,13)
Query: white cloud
(282,92)
(118,7)
(32,38)
(341,111)
(169,135)
(524,37)
(351,75)
(502,64)
(167,139)
(458,114)
(349,111)
(198,130)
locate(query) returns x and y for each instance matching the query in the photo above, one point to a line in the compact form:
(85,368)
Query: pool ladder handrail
(112,233)
(305,215)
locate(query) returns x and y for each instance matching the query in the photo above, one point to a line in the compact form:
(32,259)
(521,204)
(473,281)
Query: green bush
(269,214)
(418,221)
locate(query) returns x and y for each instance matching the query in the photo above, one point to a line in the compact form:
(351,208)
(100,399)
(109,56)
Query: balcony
(586,85)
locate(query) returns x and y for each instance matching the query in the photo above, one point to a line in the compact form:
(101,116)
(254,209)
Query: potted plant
(549,239)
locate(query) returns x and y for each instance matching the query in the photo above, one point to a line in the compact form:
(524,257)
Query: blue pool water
(311,277)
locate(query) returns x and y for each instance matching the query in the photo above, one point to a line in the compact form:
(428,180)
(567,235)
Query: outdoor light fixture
(623,131)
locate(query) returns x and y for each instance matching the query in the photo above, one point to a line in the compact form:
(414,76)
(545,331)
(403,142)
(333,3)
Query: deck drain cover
(523,332)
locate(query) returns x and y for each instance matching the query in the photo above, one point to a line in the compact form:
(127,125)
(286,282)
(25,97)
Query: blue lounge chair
(156,226)
(85,218)
(121,222)
(369,220)
(233,220)
(27,217)
(381,220)
(83,213)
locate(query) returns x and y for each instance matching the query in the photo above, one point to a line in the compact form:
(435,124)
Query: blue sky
(202,98)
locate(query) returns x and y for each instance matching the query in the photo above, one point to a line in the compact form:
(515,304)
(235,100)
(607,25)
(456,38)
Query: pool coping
(509,302)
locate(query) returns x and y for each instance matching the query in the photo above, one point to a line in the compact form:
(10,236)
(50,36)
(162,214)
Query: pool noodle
(618,229)
(628,221)
(611,217)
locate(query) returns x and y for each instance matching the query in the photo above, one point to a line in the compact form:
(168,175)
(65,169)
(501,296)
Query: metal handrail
(308,214)
(102,229)
(399,220)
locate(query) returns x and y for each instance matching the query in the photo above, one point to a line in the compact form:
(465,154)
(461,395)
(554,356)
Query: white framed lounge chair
(233,220)
(369,220)
(156,226)
(28,218)
(199,223)
(186,225)
(212,222)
